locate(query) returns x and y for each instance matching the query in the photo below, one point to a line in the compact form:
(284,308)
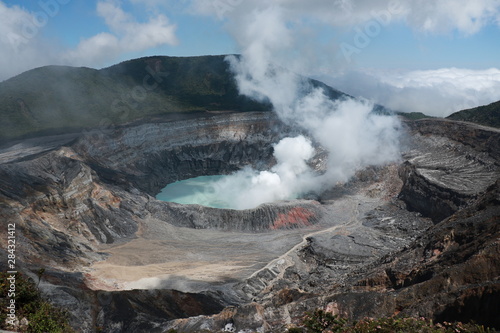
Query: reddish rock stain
(296,217)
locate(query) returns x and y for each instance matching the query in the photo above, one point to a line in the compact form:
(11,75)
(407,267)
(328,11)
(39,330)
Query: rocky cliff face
(60,206)
(449,164)
(150,156)
(418,238)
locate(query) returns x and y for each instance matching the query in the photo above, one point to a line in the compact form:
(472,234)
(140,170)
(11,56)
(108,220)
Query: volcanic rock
(418,237)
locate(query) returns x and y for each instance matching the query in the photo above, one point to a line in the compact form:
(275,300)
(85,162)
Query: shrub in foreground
(33,313)
(321,321)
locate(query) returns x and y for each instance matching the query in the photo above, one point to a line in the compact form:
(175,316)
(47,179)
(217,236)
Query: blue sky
(397,45)
(197,34)
(400,36)
(416,50)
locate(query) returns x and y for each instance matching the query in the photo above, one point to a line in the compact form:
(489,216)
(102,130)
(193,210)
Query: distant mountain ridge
(488,115)
(59,99)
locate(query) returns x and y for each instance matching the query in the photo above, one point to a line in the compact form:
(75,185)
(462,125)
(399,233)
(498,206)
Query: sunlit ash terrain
(334,203)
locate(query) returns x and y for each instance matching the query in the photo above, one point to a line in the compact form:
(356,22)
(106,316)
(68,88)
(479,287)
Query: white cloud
(444,16)
(334,12)
(465,16)
(126,35)
(21,47)
(149,3)
(12,23)
(434,92)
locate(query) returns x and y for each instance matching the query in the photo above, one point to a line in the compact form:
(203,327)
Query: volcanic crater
(117,258)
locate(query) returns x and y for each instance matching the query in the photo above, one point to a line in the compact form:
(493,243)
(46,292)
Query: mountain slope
(488,115)
(58,99)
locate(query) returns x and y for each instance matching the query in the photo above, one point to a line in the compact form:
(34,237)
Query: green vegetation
(379,109)
(58,99)
(413,115)
(320,321)
(488,115)
(61,99)
(41,315)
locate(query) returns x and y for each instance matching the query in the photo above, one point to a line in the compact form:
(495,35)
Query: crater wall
(152,155)
(449,164)
(72,203)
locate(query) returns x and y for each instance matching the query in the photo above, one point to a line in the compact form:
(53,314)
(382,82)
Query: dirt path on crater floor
(165,256)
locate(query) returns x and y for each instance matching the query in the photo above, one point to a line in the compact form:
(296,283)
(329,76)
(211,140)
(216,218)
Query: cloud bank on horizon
(23,44)
(437,92)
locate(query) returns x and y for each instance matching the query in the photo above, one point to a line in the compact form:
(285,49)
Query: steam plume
(353,136)
(249,188)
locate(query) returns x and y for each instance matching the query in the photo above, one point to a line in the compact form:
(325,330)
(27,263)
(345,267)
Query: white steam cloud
(289,178)
(353,136)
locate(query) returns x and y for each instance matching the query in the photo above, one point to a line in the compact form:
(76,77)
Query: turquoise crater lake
(244,189)
(199,190)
